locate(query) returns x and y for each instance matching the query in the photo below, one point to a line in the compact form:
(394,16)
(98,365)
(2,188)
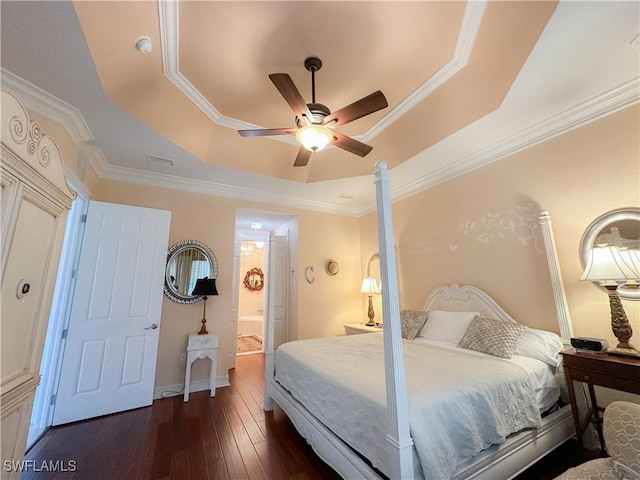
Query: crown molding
(130,175)
(168,13)
(618,98)
(49,106)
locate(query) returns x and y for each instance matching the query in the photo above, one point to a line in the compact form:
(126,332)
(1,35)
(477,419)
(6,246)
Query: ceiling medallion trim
(169,21)
(168,13)
(473,13)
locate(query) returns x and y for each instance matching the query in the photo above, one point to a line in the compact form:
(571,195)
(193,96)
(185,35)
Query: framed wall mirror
(188,261)
(619,227)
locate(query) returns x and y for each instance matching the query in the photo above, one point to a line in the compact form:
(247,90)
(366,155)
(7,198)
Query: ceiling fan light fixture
(314,137)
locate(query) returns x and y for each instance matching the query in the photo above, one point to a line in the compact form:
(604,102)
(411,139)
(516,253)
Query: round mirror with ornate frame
(186,262)
(618,227)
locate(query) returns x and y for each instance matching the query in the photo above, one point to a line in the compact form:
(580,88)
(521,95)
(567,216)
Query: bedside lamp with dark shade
(205,287)
(611,267)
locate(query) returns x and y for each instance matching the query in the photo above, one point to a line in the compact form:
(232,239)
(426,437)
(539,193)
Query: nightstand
(611,371)
(357,328)
(202,346)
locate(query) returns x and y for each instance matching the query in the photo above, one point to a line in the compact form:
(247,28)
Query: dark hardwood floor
(225,437)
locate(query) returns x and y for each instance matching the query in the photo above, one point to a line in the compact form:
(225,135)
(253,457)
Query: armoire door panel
(22,290)
(34,202)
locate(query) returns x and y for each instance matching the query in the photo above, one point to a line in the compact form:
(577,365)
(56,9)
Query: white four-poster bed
(348,443)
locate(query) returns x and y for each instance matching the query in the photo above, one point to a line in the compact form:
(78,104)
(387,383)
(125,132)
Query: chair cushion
(622,438)
(598,469)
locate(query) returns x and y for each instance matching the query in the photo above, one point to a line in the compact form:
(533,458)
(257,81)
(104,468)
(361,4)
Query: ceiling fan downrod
(313,64)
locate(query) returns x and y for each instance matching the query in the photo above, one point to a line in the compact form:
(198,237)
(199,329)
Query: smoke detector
(143,44)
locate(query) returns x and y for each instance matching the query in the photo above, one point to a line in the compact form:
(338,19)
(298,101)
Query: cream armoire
(34,203)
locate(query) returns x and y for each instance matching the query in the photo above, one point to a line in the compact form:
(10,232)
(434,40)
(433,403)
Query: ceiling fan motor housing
(319,112)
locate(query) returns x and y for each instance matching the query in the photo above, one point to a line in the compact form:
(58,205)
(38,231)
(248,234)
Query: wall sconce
(204,287)
(611,267)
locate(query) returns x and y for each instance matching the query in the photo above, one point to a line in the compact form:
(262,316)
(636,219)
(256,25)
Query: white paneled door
(112,340)
(276,294)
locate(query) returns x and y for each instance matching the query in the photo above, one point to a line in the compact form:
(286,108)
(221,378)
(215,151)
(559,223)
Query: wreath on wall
(254,280)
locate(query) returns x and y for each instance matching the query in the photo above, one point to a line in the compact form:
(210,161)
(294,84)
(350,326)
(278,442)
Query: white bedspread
(460,402)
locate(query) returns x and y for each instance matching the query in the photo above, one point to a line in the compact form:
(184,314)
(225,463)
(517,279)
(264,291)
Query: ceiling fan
(315,123)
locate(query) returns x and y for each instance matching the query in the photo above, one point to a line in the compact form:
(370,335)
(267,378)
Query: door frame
(51,363)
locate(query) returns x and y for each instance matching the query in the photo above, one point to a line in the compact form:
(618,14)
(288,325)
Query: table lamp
(204,288)
(370,287)
(611,267)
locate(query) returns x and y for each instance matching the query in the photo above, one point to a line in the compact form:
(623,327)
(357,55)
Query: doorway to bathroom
(251,297)
(253,282)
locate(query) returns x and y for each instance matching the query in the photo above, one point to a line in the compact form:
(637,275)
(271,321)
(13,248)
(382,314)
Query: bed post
(398,436)
(562,309)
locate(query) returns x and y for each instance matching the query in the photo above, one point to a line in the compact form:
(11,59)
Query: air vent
(160,160)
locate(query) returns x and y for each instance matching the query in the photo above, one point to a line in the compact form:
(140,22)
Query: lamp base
(203,329)
(370,313)
(624,352)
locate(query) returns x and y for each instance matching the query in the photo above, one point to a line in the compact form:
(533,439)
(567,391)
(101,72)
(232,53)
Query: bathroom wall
(252,255)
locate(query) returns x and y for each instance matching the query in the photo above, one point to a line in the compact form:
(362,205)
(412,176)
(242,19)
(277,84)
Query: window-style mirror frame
(169,289)
(599,226)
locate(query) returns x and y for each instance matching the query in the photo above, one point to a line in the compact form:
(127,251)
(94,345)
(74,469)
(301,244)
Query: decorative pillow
(411,322)
(540,344)
(492,336)
(446,327)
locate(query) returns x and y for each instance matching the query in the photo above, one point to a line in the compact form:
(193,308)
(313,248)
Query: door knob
(152,327)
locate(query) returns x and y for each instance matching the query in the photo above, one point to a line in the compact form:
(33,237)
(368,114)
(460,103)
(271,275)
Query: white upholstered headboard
(456,298)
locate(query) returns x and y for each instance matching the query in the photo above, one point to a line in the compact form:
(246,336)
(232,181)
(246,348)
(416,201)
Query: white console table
(202,346)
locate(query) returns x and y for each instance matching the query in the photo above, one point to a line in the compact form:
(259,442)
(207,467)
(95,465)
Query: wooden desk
(619,373)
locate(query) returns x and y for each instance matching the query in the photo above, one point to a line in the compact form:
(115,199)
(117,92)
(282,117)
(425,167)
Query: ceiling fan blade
(361,108)
(288,90)
(303,157)
(263,132)
(350,144)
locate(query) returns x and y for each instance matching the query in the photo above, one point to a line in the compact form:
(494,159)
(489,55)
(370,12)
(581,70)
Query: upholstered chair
(622,440)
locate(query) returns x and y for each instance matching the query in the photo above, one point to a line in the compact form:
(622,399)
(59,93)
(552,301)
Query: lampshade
(314,137)
(610,264)
(370,286)
(205,287)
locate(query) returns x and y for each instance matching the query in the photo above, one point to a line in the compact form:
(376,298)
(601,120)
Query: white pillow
(540,344)
(446,327)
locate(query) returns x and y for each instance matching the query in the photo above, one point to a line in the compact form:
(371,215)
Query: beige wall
(252,256)
(323,306)
(445,235)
